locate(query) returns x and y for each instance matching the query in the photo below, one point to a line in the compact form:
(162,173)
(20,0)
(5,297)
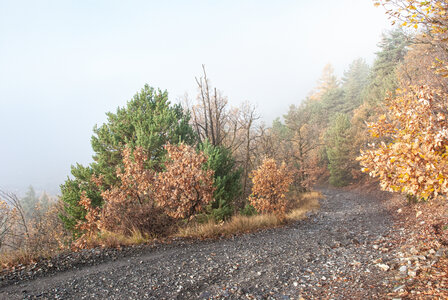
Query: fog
(64,64)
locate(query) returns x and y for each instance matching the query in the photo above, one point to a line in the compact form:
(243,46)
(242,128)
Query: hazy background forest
(64,65)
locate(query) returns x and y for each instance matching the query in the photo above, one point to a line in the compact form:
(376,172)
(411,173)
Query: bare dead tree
(267,145)
(5,223)
(210,115)
(233,128)
(248,119)
(13,223)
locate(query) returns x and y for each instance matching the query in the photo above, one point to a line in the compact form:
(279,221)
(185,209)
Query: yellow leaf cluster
(432,15)
(415,160)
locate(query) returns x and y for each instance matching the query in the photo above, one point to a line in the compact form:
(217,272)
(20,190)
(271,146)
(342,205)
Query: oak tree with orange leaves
(185,187)
(270,185)
(145,200)
(90,225)
(130,205)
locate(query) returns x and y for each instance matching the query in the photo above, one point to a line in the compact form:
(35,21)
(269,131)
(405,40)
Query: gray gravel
(342,252)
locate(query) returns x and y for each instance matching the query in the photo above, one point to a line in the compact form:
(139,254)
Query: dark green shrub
(248,210)
(227,180)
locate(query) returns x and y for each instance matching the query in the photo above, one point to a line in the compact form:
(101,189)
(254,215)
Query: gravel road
(341,252)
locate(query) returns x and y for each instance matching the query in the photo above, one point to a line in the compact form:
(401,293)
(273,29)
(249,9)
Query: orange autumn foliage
(184,188)
(412,157)
(270,185)
(92,216)
(130,205)
(145,201)
(9,217)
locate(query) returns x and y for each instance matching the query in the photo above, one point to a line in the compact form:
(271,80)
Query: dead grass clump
(109,239)
(17,257)
(301,204)
(236,225)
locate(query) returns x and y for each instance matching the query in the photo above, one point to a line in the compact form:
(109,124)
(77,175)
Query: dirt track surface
(336,253)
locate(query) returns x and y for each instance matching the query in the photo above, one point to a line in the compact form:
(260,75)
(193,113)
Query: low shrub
(270,185)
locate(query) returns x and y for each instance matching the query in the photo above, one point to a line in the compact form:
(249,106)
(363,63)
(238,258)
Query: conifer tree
(354,81)
(148,121)
(327,82)
(227,179)
(338,150)
(383,76)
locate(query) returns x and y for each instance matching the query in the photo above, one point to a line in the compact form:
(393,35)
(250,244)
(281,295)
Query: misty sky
(63,64)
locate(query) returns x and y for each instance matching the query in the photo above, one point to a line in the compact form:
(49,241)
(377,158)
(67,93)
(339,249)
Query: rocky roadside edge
(417,245)
(420,269)
(70,260)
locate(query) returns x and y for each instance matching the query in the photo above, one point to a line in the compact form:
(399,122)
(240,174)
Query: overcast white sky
(64,64)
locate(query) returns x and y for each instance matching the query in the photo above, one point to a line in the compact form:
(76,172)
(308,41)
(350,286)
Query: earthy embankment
(344,251)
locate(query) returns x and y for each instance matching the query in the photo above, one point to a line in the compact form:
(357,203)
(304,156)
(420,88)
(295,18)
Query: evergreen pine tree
(338,150)
(354,82)
(227,179)
(149,121)
(383,76)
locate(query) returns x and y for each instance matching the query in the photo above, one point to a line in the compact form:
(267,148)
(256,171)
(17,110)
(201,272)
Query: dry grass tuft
(236,225)
(25,256)
(301,204)
(108,239)
(18,257)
